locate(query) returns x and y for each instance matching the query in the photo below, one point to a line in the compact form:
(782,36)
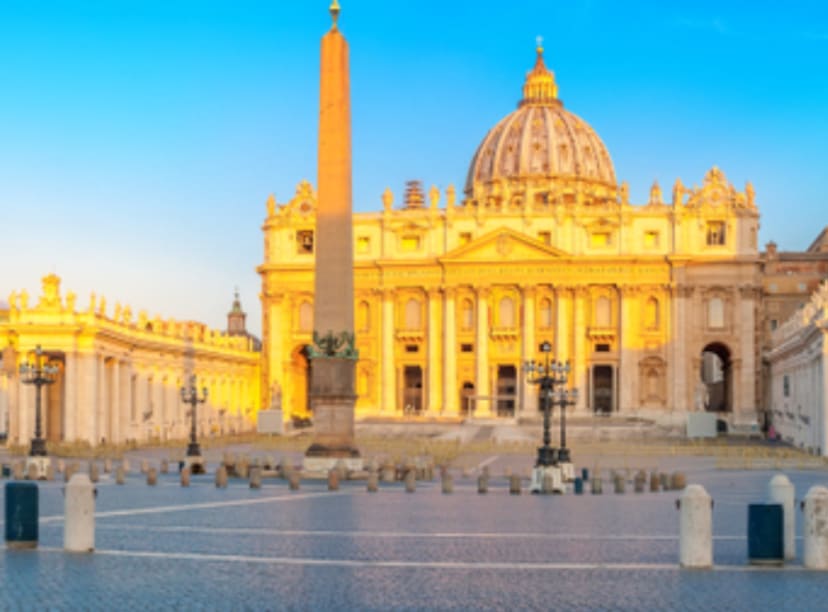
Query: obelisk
(333,355)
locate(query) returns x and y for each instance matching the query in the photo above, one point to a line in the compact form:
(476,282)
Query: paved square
(165,547)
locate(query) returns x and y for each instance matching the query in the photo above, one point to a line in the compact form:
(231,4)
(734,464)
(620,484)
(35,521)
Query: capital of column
(483,293)
(528,291)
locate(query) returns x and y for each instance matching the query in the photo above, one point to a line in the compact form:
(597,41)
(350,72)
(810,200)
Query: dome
(540,147)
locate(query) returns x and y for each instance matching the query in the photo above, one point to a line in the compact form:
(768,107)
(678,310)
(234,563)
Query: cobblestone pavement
(168,547)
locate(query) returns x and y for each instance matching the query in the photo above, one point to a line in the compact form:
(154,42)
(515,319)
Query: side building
(119,376)
(655,306)
(798,364)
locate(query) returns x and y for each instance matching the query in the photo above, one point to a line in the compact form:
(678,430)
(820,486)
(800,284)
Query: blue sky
(139,139)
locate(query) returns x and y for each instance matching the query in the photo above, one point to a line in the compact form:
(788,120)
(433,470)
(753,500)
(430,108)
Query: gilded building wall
(451,300)
(120,375)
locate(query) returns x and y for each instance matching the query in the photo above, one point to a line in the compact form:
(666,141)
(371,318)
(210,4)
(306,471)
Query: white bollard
(695,528)
(79,523)
(816,528)
(781,491)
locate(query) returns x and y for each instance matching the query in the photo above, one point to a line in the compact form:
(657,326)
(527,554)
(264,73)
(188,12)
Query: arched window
(467,314)
(507,312)
(545,318)
(363,317)
(651,314)
(715,313)
(412,314)
(603,316)
(305,317)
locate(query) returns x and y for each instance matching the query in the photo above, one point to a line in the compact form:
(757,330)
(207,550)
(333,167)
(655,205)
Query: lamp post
(551,377)
(38,373)
(189,395)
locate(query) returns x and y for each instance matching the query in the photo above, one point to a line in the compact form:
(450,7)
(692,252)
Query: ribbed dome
(541,142)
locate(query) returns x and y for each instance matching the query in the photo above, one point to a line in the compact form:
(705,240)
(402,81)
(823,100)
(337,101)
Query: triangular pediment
(503,244)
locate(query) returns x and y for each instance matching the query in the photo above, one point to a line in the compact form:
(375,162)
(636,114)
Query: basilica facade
(655,305)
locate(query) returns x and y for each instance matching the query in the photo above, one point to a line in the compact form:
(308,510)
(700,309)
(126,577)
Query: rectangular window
(786,386)
(412,348)
(651,240)
(602,348)
(410,243)
(363,245)
(774,324)
(600,239)
(545,237)
(716,233)
(304,242)
(466,348)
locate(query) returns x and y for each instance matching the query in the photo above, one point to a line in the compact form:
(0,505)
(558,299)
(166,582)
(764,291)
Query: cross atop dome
(540,86)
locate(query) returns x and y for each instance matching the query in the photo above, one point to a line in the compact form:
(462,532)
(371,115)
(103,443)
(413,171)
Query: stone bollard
(125,463)
(243,468)
(165,466)
(17,470)
(664,480)
(61,466)
(678,481)
(640,482)
(120,475)
(79,521)
(483,483)
(107,466)
(221,477)
(815,551)
(144,466)
(654,482)
(341,470)
(388,473)
(695,528)
(597,485)
(94,472)
(373,482)
(333,480)
(447,482)
(294,480)
(269,462)
(256,478)
(33,472)
(514,484)
(284,468)
(152,476)
(410,481)
(620,483)
(781,491)
(184,475)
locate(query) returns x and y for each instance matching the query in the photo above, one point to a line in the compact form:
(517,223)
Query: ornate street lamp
(38,373)
(551,377)
(189,395)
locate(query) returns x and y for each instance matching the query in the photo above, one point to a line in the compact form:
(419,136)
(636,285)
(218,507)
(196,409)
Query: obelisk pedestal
(333,354)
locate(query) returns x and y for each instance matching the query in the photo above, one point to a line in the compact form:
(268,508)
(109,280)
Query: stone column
(681,364)
(745,411)
(388,391)
(482,383)
(434,396)
(101,400)
(528,393)
(628,326)
(450,397)
(275,351)
(580,350)
(114,403)
(564,322)
(70,399)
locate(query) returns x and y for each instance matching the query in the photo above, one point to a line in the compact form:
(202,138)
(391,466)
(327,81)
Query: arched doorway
(716,376)
(412,390)
(466,397)
(506,389)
